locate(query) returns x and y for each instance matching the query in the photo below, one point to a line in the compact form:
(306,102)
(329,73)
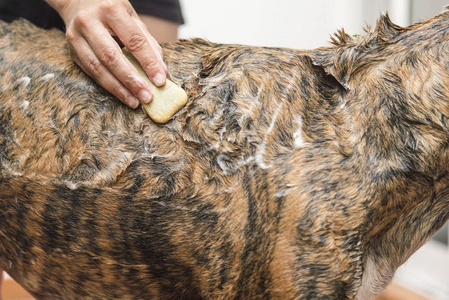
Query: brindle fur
(289,174)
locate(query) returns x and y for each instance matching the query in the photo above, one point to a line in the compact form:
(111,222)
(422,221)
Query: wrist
(61,6)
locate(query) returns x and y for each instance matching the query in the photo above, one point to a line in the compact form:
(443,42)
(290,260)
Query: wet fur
(289,174)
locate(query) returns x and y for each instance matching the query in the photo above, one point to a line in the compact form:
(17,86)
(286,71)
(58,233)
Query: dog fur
(290,174)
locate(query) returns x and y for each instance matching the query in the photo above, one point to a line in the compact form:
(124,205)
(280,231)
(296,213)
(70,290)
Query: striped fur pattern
(289,174)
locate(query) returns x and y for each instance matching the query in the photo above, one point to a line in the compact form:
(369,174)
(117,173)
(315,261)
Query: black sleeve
(43,15)
(35,11)
(165,9)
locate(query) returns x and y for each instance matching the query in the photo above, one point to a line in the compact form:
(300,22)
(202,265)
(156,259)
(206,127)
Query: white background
(297,24)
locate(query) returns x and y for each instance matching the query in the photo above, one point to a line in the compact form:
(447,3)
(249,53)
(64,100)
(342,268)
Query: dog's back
(98,201)
(256,189)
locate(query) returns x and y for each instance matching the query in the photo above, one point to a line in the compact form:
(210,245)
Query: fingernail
(159,79)
(132,101)
(144,96)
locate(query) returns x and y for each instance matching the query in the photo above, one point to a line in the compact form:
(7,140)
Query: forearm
(162,30)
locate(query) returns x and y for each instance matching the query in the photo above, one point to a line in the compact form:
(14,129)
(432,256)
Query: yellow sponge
(167,100)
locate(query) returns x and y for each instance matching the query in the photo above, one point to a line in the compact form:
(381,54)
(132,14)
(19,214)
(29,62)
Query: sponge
(167,100)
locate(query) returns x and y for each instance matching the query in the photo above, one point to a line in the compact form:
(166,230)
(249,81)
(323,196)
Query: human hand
(92,29)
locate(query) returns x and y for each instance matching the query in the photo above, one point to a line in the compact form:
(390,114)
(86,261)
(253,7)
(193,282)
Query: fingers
(91,37)
(95,69)
(100,57)
(141,44)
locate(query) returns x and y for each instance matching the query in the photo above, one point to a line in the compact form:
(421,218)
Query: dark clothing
(43,15)
(35,11)
(164,9)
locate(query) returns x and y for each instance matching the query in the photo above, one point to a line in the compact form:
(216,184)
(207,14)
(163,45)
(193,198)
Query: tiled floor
(12,291)
(394,292)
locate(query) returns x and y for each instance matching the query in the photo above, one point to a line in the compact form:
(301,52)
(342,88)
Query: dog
(289,174)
